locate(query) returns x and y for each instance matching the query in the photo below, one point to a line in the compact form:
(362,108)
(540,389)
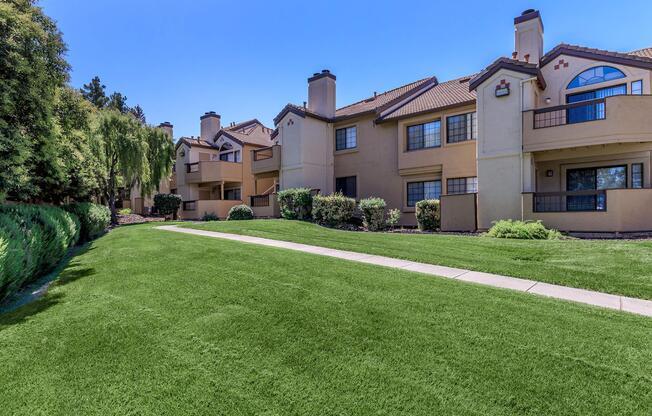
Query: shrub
(525,230)
(209,217)
(94,218)
(428,214)
(373,213)
(33,239)
(124,211)
(167,204)
(393,217)
(295,203)
(240,212)
(334,210)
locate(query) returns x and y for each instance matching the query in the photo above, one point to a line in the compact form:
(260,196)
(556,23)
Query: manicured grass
(151,322)
(619,267)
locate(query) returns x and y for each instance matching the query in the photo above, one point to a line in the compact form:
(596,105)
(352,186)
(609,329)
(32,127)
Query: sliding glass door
(588,179)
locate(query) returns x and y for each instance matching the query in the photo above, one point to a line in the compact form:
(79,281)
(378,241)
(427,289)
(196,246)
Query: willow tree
(123,149)
(160,154)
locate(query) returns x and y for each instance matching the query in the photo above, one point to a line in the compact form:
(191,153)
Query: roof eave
(386,119)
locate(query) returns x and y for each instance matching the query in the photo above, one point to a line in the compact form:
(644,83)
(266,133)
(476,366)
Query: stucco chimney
(321,93)
(168,127)
(528,36)
(210,125)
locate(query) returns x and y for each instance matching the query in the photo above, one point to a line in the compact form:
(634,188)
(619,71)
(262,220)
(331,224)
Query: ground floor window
(347,186)
(588,179)
(418,191)
(462,185)
(232,194)
(637,175)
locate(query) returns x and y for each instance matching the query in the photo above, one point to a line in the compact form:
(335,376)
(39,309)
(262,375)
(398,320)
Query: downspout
(520,128)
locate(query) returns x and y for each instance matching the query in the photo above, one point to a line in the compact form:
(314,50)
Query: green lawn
(619,267)
(152,322)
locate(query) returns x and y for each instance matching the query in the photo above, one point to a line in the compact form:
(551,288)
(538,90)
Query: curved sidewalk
(605,300)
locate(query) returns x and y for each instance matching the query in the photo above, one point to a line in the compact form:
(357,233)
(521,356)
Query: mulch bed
(137,219)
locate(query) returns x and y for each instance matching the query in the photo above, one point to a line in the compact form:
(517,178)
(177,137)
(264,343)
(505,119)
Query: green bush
(393,217)
(333,210)
(240,212)
(373,213)
(210,216)
(524,230)
(167,204)
(33,239)
(124,211)
(428,214)
(295,203)
(94,218)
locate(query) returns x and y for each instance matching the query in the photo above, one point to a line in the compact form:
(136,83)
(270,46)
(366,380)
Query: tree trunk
(114,213)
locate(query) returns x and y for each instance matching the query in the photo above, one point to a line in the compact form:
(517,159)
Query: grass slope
(619,267)
(151,322)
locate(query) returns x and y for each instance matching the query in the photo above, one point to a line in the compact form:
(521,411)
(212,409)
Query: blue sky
(246,59)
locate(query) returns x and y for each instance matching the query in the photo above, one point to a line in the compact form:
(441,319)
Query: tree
(94,92)
(32,68)
(123,151)
(160,154)
(118,102)
(138,112)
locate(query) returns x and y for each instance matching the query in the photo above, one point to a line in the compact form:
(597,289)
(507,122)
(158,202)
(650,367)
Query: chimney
(321,93)
(210,125)
(528,36)
(168,127)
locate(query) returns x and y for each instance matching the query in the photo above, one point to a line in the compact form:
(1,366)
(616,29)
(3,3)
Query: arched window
(595,75)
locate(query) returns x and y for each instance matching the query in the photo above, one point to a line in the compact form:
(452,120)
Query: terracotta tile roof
(378,102)
(444,95)
(193,142)
(298,110)
(645,52)
(633,59)
(510,64)
(248,132)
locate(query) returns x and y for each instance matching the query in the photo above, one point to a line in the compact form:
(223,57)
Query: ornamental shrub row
(333,210)
(94,219)
(240,212)
(33,239)
(295,203)
(523,230)
(428,214)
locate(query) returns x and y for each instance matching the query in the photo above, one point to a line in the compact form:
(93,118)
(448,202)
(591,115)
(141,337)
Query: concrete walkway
(605,300)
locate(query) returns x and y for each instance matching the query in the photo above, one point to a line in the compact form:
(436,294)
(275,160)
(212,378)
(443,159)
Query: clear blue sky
(246,59)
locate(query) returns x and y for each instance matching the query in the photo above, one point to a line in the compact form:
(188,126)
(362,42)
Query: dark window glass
(637,87)
(418,191)
(347,186)
(425,135)
(586,179)
(591,111)
(346,138)
(232,194)
(461,128)
(637,175)
(230,156)
(462,185)
(595,75)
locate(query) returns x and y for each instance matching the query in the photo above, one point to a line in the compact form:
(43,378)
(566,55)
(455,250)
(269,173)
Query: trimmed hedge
(333,210)
(240,212)
(523,230)
(167,204)
(33,239)
(295,203)
(428,214)
(94,218)
(373,213)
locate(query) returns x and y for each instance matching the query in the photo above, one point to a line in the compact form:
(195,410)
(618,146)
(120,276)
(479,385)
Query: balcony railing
(189,205)
(264,153)
(572,201)
(570,113)
(261,200)
(192,167)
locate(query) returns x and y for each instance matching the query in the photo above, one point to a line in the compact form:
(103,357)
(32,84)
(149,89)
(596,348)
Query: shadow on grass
(21,314)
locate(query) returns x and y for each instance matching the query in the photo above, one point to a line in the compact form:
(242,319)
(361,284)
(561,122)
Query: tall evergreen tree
(94,92)
(118,102)
(138,112)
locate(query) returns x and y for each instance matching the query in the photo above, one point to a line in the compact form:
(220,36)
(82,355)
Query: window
(595,76)
(418,191)
(462,185)
(586,179)
(425,135)
(637,175)
(461,128)
(637,87)
(231,157)
(232,194)
(594,110)
(345,138)
(347,186)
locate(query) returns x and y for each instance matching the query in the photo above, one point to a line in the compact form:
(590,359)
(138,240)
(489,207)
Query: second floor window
(346,138)
(461,128)
(425,135)
(462,185)
(231,156)
(637,87)
(347,186)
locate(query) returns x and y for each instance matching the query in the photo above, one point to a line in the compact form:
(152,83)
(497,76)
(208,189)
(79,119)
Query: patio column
(222,190)
(529,173)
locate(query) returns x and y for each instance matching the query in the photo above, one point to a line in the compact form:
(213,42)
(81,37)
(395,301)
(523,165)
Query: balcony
(265,160)
(193,210)
(265,206)
(213,171)
(616,119)
(611,210)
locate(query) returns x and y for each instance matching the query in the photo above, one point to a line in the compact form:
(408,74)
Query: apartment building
(563,137)
(213,171)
